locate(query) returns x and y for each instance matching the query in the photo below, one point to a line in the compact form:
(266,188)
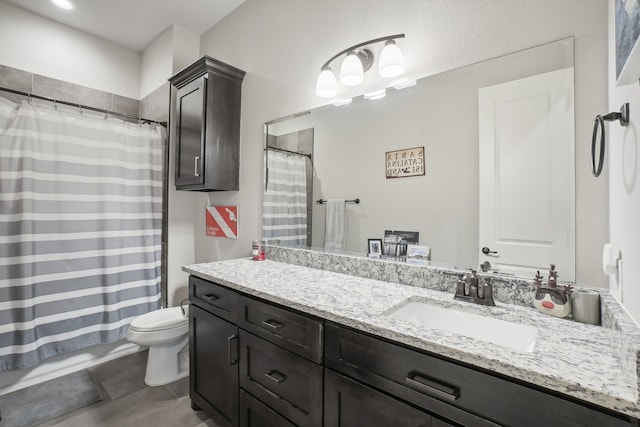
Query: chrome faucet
(468,289)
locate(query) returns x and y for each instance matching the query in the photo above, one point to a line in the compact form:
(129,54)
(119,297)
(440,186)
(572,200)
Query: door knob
(488,251)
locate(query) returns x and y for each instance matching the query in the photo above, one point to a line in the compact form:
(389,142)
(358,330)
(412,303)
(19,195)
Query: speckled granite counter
(588,362)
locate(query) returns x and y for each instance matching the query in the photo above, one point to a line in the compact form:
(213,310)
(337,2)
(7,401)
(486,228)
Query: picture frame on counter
(374,248)
(418,254)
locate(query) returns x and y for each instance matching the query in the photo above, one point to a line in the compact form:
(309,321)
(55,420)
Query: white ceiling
(133,23)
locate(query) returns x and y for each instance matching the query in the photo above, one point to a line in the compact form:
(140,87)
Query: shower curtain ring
(80,107)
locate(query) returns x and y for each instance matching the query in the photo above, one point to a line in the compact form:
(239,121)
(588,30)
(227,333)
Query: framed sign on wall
(403,163)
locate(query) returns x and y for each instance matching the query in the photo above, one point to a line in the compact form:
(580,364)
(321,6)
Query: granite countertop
(579,360)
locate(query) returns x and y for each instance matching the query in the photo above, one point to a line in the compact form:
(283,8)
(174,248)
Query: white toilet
(166,333)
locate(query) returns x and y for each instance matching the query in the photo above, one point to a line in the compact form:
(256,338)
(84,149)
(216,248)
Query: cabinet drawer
(296,332)
(454,391)
(282,380)
(213,298)
(254,413)
(349,403)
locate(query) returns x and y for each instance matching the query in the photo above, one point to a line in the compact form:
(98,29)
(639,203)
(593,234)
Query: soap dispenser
(550,298)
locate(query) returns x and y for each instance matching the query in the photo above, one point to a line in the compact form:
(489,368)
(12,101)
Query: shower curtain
(80,229)
(284,203)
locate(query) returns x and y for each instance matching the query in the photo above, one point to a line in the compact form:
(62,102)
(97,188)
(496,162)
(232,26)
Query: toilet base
(166,364)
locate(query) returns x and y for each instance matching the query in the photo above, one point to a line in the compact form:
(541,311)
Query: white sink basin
(508,334)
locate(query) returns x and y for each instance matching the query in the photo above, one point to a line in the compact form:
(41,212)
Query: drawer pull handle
(232,346)
(210,297)
(429,386)
(272,324)
(275,376)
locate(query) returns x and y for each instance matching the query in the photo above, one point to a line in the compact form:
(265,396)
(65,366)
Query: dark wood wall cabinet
(207,120)
(254,363)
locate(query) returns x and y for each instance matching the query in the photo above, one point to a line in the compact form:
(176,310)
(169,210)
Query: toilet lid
(157,320)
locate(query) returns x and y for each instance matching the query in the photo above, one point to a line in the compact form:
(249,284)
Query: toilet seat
(159,320)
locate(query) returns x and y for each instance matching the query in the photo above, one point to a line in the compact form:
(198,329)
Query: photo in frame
(395,243)
(627,29)
(375,248)
(418,254)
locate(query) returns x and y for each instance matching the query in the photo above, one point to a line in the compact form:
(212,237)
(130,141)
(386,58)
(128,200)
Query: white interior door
(527,177)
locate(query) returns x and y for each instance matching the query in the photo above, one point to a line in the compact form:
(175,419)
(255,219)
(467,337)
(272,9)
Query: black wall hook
(623,117)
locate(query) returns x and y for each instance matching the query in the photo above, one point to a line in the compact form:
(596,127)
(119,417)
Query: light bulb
(391,62)
(326,84)
(351,73)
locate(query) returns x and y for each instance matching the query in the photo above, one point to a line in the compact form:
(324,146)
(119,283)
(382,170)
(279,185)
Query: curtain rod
(287,151)
(83,107)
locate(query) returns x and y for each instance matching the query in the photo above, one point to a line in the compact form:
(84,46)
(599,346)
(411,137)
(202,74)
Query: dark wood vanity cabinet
(213,365)
(460,394)
(207,118)
(257,364)
(253,363)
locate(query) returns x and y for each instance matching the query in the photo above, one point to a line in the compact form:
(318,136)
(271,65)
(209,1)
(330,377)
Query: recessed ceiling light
(64,4)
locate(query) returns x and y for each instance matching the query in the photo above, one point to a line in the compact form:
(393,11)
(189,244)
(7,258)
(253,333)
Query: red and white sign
(222,221)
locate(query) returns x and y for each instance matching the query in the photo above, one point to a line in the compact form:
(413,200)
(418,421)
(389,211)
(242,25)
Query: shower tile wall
(13,78)
(24,81)
(155,106)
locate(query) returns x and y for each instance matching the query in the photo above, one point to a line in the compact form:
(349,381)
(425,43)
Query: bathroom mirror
(339,152)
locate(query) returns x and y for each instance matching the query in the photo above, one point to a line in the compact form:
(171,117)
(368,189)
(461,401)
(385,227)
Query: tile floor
(128,402)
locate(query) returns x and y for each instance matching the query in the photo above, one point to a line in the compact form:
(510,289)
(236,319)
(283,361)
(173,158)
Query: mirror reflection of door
(288,193)
(526,170)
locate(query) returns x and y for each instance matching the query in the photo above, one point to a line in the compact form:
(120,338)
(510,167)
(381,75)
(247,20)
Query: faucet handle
(487,292)
(473,277)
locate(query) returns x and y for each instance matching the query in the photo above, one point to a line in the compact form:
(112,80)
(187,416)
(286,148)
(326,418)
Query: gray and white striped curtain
(284,203)
(80,230)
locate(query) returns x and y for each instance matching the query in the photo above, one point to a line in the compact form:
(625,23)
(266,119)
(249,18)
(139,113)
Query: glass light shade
(326,84)
(351,73)
(391,63)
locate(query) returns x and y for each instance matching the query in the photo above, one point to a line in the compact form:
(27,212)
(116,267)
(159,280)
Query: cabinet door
(349,403)
(190,133)
(213,357)
(254,413)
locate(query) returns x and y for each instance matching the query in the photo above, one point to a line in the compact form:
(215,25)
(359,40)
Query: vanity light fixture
(64,4)
(376,94)
(404,85)
(358,60)
(346,101)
